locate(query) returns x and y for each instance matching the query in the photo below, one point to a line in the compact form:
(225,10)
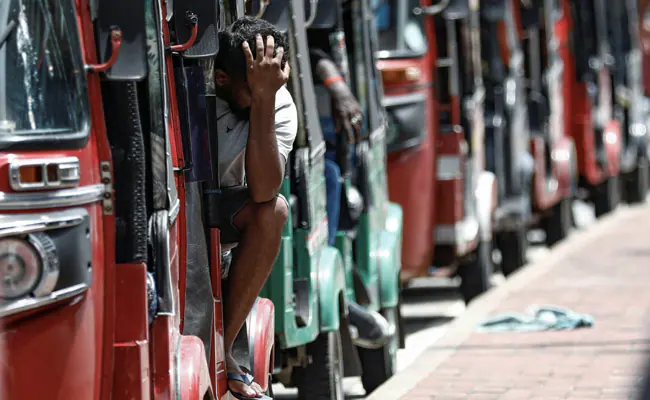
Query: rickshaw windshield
(400,31)
(43,94)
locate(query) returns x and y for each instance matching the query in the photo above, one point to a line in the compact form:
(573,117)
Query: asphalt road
(429,305)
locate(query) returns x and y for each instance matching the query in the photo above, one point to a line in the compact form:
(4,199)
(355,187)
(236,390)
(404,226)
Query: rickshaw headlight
(20,268)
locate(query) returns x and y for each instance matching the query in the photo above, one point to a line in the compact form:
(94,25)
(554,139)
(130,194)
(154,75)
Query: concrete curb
(461,328)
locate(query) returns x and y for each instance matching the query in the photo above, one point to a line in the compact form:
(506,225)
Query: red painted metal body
(411,172)
(579,112)
(63,350)
(429,180)
(99,344)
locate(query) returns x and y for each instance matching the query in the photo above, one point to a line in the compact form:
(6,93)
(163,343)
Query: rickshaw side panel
(131,332)
(411,175)
(194,374)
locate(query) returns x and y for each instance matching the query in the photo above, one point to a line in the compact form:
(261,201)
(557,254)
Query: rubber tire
(379,365)
(513,247)
(607,196)
(476,276)
(638,184)
(558,225)
(322,379)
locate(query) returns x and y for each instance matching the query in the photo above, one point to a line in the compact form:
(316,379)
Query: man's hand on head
(264,72)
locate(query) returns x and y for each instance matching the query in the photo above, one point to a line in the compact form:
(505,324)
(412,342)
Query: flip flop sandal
(246,379)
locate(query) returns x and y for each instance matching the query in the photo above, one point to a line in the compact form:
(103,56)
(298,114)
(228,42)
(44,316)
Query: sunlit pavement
(429,305)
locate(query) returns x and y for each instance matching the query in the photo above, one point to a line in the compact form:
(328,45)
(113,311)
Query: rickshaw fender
(526,166)
(486,203)
(261,324)
(389,257)
(612,140)
(193,372)
(564,165)
(331,288)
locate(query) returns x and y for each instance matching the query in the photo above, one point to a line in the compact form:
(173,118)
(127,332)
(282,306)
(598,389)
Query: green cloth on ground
(538,318)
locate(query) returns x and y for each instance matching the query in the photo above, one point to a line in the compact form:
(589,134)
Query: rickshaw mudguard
(637,147)
(261,333)
(389,257)
(564,166)
(486,202)
(331,288)
(612,140)
(193,372)
(332,303)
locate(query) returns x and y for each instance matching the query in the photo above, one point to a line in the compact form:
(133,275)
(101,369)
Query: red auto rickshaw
(98,216)
(551,146)
(463,194)
(404,61)
(587,92)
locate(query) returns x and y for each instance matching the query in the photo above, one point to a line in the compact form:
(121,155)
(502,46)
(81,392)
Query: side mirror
(433,9)
(123,22)
(196,24)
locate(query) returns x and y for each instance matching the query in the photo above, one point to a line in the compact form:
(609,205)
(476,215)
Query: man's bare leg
(261,227)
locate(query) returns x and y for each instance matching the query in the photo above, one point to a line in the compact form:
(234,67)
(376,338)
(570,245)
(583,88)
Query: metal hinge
(107,181)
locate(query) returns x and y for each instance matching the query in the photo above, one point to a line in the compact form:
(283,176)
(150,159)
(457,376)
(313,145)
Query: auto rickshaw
(466,192)
(97,266)
(552,148)
(588,111)
(463,192)
(307,284)
(631,106)
(369,227)
(404,61)
(526,145)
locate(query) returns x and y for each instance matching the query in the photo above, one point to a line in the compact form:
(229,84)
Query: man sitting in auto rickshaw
(257,124)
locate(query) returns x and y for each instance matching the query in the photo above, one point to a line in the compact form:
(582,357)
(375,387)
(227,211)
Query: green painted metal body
(379,233)
(304,254)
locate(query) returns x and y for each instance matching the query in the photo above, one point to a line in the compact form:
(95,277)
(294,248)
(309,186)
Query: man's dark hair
(231,56)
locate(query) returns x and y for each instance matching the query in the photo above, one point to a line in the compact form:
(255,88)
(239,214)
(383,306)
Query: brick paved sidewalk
(605,273)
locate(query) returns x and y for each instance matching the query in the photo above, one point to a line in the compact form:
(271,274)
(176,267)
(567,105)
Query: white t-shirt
(233,136)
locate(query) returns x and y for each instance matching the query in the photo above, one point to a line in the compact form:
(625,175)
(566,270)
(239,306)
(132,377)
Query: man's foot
(240,381)
(373,330)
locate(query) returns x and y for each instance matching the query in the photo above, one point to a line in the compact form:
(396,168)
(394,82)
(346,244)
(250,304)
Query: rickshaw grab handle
(193,19)
(116,43)
(263,5)
(313,8)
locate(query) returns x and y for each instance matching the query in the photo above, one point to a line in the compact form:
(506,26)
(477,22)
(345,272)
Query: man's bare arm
(264,165)
(347,111)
